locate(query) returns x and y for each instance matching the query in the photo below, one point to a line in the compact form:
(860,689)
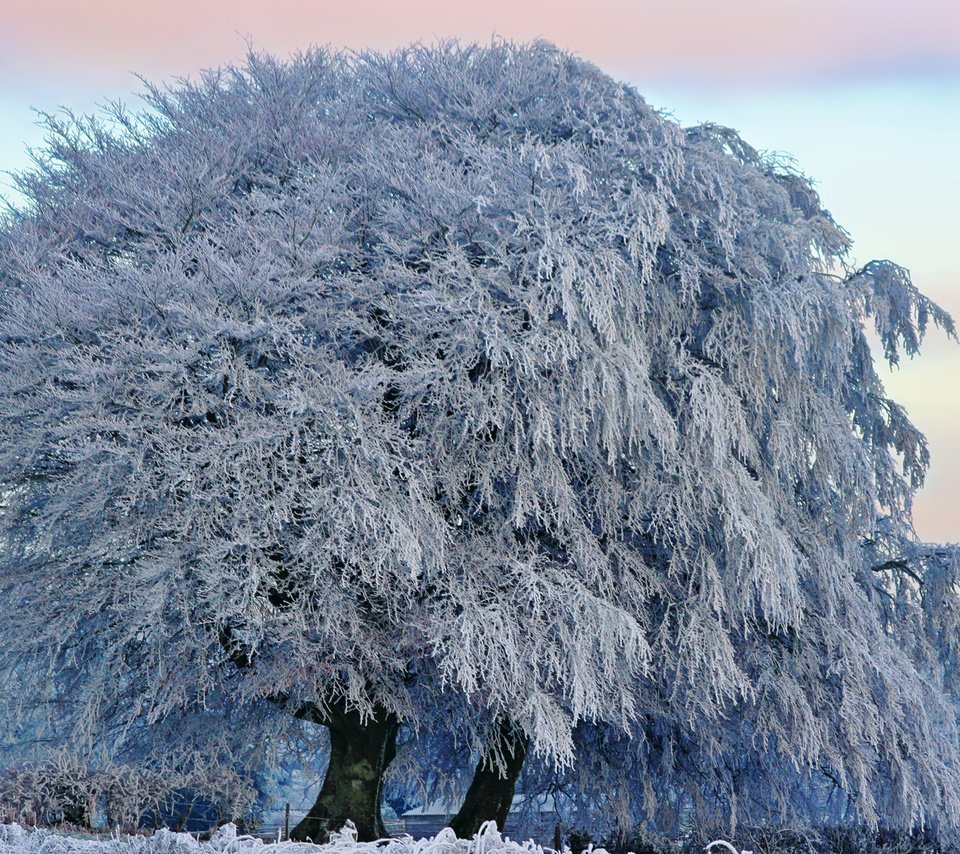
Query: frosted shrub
(64,789)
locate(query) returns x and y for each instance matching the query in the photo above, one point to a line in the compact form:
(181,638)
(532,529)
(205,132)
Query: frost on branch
(458,384)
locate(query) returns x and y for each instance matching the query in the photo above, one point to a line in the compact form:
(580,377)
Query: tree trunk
(360,752)
(491,793)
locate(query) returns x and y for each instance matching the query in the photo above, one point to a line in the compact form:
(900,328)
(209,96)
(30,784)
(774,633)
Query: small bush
(64,789)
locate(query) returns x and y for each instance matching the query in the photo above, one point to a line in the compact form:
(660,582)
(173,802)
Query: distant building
(530,818)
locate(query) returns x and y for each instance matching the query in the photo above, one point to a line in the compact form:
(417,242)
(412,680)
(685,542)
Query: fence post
(286,822)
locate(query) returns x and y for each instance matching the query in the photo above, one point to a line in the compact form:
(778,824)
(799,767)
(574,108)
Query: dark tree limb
(361,748)
(491,792)
(360,751)
(901,566)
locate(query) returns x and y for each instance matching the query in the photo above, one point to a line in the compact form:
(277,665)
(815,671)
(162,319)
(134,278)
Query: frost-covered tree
(455,388)
(670,776)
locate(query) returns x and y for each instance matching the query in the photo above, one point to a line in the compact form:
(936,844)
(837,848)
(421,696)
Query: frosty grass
(14,839)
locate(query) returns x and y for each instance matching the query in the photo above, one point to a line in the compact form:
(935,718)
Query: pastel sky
(864,93)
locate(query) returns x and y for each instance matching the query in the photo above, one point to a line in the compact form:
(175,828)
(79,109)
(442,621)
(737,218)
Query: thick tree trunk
(491,793)
(360,752)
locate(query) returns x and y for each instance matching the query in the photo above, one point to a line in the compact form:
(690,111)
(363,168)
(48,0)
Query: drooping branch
(900,566)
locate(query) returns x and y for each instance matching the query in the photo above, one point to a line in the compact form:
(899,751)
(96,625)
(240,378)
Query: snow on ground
(16,840)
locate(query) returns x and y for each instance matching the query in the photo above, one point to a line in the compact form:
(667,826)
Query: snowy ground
(16,840)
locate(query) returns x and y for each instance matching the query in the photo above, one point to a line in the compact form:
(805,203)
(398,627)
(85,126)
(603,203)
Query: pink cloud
(738,41)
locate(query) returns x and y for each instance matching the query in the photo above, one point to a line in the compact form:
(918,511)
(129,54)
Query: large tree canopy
(458,386)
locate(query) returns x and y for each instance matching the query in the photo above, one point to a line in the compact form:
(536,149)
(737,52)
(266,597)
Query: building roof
(446,809)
